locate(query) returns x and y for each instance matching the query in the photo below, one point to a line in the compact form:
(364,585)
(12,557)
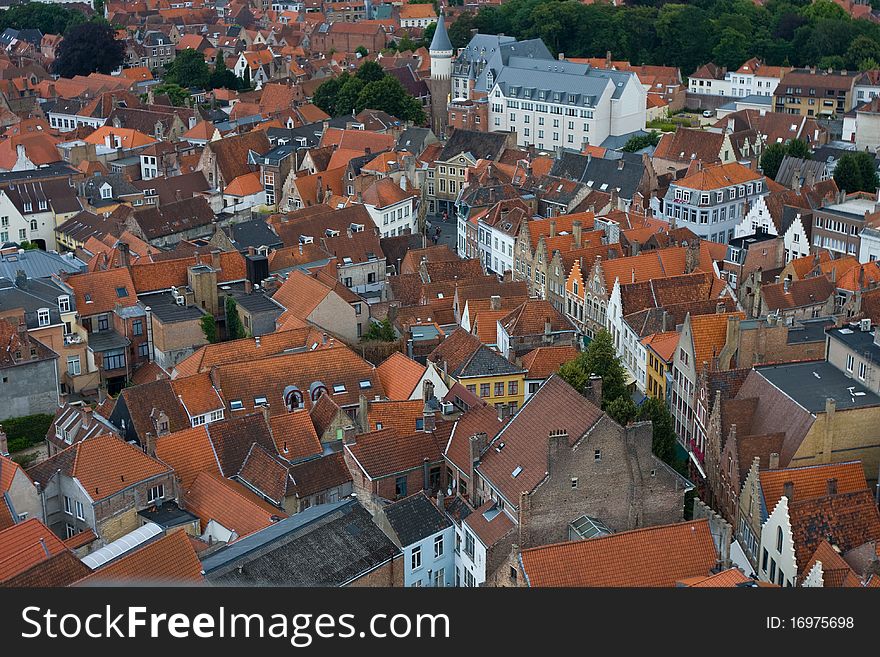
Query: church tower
(440,82)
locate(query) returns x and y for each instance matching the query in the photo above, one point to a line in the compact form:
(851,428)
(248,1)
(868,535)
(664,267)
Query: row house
(816,92)
(838,224)
(462,150)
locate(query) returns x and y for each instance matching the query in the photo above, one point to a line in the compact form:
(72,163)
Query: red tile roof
(387,452)
(98,292)
(213,498)
(811,481)
(543,362)
(655,556)
(189,452)
(489,531)
(24,545)
(317,475)
(399,376)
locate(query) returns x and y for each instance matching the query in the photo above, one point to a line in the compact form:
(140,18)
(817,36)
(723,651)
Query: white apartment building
(754,79)
(560,104)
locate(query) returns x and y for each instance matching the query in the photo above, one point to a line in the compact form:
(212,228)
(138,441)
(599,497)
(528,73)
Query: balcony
(73,338)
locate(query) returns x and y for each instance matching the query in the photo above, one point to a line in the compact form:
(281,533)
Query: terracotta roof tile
(530,318)
(170,560)
(484,325)
(398,415)
(800,293)
(98,292)
(317,475)
(158,395)
(24,545)
(556,406)
(104,465)
(479,419)
(150,276)
(812,481)
(716,177)
(197,394)
(399,376)
(214,498)
(543,362)
(725,579)
(294,435)
(709,334)
(62,569)
(387,452)
(489,531)
(265,473)
(654,556)
(189,453)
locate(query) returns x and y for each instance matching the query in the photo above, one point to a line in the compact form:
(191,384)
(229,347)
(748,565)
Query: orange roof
(202,130)
(399,375)
(301,294)
(359,140)
(189,453)
(725,579)
(128,137)
(398,415)
(722,175)
(137,73)
(104,465)
(385,192)
(663,344)
(24,545)
(245,185)
(311,113)
(812,481)
(197,394)
(212,498)
(654,556)
(342,156)
(295,436)
(709,334)
(162,275)
(418,11)
(169,560)
(543,362)
(98,292)
(860,277)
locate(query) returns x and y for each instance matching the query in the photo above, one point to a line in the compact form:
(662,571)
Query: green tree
(460,31)
(363,52)
(388,95)
(88,48)
(771,159)
(428,34)
(732,49)
(98,6)
(598,358)
(189,69)
(347,98)
(369,72)
(209,328)
(826,9)
(641,141)
(622,410)
(798,148)
(862,48)
(175,92)
(234,327)
(869,64)
(382,331)
(45,17)
(325,94)
(663,442)
(856,172)
(222,77)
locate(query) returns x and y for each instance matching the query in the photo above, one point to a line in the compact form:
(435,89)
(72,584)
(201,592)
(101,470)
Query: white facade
(68,122)
(751,84)
(233,204)
(709,86)
(470,563)
(549,123)
(776,559)
(394,219)
(16,228)
(869,245)
(431,561)
(864,92)
(417,22)
(496,247)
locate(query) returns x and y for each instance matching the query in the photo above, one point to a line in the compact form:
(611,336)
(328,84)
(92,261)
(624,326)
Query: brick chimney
(774,461)
(553,228)
(594,389)
(788,490)
(363,414)
(476,444)
(86,417)
(576,228)
(124,254)
(495,302)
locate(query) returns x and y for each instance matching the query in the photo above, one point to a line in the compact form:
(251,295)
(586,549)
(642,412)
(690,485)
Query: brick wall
(390,574)
(115,516)
(176,340)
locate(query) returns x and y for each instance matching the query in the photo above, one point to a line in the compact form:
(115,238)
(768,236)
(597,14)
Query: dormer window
(64,303)
(106,191)
(43,317)
(43,205)
(293,398)
(28,207)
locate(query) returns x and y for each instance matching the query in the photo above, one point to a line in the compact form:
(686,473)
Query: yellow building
(463,359)
(660,348)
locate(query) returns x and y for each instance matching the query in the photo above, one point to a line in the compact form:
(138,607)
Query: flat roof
(810,384)
(858,340)
(165,309)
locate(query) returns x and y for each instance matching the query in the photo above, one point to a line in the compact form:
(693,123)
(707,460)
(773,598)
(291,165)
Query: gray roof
(810,171)
(165,308)
(810,384)
(862,342)
(415,518)
(615,142)
(255,233)
(441,41)
(35,295)
(563,81)
(325,545)
(487,53)
(39,264)
(56,170)
(106,340)
(413,140)
(481,145)
(486,362)
(621,172)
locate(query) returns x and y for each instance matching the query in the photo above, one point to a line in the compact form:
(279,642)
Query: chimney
(553,228)
(348,435)
(441,502)
(620,164)
(363,414)
(720,308)
(264,408)
(594,389)
(476,445)
(774,461)
(215,259)
(786,284)
(426,474)
(124,254)
(102,394)
(607,59)
(319,189)
(62,399)
(788,490)
(495,302)
(576,228)
(248,286)
(149,444)
(4,443)
(832,486)
(86,417)
(21,279)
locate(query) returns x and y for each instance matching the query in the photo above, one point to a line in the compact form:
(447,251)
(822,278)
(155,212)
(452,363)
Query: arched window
(779,539)
(293,398)
(316,390)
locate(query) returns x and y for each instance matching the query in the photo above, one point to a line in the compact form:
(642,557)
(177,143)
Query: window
(772,569)
(43,317)
(114,360)
(440,578)
(764,560)
(73,366)
(472,388)
(103,323)
(144,349)
(850,361)
(513,387)
(400,487)
(779,539)
(156,493)
(438,546)
(80,510)
(499,389)
(68,506)
(863,370)
(416,558)
(64,303)
(574,483)
(597,455)
(137,327)
(484,390)
(469,544)
(71,530)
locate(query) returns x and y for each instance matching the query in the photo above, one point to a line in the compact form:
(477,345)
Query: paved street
(448,230)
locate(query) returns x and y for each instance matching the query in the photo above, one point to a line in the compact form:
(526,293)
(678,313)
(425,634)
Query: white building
(777,561)
(392,206)
(15,228)
(560,104)
(758,219)
(754,79)
(709,80)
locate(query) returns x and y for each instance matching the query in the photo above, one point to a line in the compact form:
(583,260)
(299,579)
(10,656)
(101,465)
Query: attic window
(366,383)
(88,298)
(516,471)
(346,261)
(259,401)
(338,389)
(235,405)
(121,292)
(357,228)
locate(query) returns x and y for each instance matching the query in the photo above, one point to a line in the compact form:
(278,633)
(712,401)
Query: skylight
(516,471)
(366,383)
(121,292)
(338,388)
(236,405)
(260,400)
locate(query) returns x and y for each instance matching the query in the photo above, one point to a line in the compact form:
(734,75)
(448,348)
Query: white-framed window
(416,558)
(43,317)
(64,303)
(80,510)
(438,546)
(73,366)
(850,361)
(863,370)
(156,493)
(68,506)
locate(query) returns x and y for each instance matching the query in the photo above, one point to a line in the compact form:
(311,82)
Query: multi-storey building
(812,92)
(712,201)
(838,226)
(754,78)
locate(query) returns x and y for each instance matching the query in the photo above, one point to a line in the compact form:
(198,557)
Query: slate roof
(325,545)
(480,145)
(415,518)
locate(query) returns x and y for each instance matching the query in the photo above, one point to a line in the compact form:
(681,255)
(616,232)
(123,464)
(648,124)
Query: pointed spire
(441,41)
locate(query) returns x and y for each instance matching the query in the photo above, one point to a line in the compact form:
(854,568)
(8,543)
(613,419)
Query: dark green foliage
(728,32)
(347,94)
(856,172)
(380,331)
(638,143)
(175,92)
(209,328)
(773,155)
(622,410)
(222,78)
(87,48)
(189,70)
(26,431)
(98,6)
(45,17)
(234,327)
(428,34)
(654,410)
(363,52)
(598,358)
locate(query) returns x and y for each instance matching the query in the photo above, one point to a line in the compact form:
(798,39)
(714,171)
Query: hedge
(27,431)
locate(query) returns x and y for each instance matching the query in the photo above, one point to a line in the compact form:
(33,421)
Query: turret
(441,52)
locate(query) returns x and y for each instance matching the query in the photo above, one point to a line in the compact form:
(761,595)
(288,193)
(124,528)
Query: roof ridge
(627,532)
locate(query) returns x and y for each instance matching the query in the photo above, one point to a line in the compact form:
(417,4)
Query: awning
(628,379)
(697,463)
